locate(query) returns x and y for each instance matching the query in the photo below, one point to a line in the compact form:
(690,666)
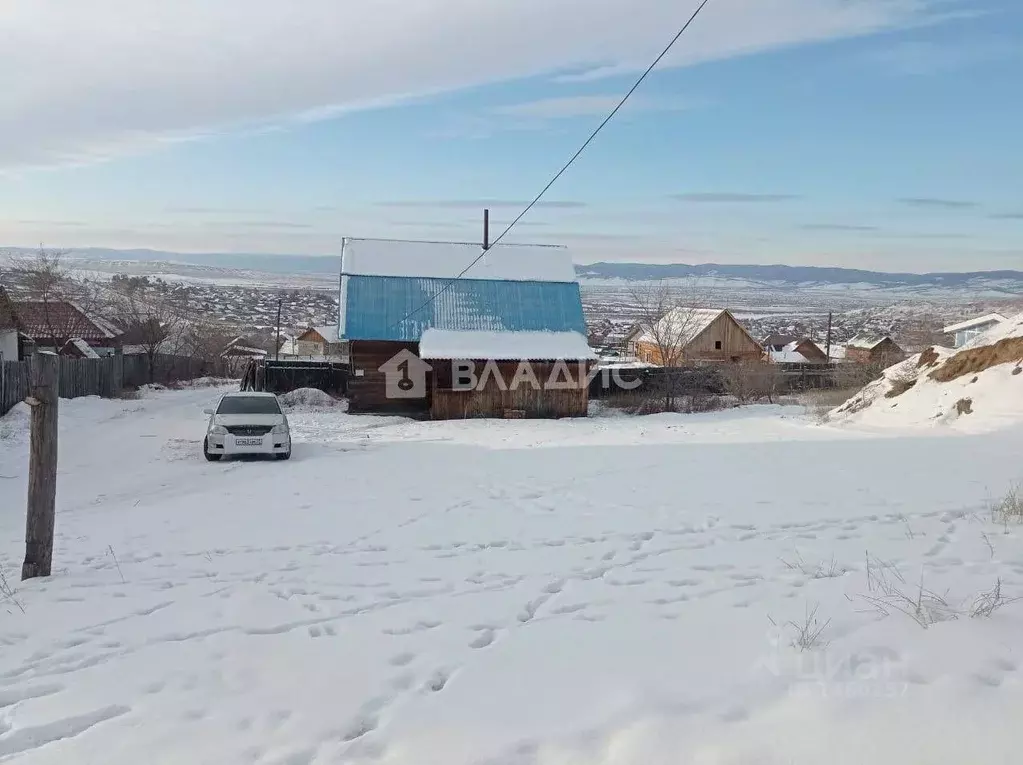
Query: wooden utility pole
(280,300)
(486,229)
(42,466)
(828,351)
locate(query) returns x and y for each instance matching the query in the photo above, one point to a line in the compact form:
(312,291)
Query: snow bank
(978,387)
(16,423)
(307,398)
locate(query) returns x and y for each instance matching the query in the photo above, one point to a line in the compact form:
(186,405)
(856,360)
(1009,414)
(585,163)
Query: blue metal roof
(375,307)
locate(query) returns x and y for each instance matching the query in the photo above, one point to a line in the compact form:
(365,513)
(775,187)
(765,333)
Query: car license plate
(249,441)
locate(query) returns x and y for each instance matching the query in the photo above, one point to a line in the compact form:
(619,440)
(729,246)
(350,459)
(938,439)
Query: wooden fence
(287,375)
(106,376)
(707,380)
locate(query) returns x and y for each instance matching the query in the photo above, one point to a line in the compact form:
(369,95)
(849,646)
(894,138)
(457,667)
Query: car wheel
(285,456)
(206,452)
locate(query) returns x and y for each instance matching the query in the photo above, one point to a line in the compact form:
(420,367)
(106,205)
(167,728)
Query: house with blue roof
(424,321)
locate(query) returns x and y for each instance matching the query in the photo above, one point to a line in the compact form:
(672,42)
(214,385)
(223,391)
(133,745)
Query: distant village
(520,304)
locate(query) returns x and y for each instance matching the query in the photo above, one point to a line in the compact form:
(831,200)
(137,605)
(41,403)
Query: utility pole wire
(567,165)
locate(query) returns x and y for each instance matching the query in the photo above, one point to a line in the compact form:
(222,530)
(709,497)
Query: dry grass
(808,633)
(927,359)
(651,402)
(985,604)
(8,594)
(822,570)
(973,360)
(819,403)
(964,406)
(1009,509)
(888,593)
(900,385)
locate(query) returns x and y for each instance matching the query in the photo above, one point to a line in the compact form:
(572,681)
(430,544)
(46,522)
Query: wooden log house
(412,320)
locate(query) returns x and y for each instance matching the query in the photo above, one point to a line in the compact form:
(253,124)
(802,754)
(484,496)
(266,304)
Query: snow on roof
(980,321)
(788,355)
(779,341)
(328,333)
(446,260)
(41,318)
(244,350)
(1011,327)
(454,344)
(83,348)
(866,342)
(681,325)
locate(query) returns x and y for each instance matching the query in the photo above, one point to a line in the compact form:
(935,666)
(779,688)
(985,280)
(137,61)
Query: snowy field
(614,591)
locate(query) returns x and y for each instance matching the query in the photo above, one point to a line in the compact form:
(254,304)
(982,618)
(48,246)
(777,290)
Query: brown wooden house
(320,341)
(789,349)
(694,335)
(873,350)
(505,339)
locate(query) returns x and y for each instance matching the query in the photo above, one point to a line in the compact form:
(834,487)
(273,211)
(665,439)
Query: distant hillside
(1009,282)
(795,274)
(262,262)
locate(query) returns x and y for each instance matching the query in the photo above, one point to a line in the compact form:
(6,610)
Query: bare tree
(667,320)
(45,280)
(206,340)
(153,316)
(752,381)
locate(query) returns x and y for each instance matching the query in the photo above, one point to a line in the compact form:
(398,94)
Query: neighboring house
(8,329)
(409,317)
(693,335)
(243,348)
(77,348)
(795,351)
(52,323)
(873,350)
(320,341)
(288,345)
(967,330)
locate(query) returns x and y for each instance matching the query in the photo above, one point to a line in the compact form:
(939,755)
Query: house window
(717,345)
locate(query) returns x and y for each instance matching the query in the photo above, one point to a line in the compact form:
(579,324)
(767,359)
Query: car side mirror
(207,410)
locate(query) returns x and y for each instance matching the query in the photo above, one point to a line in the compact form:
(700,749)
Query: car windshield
(248,405)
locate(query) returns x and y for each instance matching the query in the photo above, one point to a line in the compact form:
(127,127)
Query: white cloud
(86,80)
(585,106)
(921,57)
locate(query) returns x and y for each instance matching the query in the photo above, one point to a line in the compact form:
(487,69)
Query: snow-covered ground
(610,591)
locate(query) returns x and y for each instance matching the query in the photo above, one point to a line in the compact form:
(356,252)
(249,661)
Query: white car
(247,423)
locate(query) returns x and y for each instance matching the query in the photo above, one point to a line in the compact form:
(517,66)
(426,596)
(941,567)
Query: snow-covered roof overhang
(980,321)
(504,346)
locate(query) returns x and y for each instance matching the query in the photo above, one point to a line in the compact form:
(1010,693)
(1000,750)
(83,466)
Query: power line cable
(567,165)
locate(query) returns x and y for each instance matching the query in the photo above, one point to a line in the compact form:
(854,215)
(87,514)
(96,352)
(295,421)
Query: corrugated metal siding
(375,306)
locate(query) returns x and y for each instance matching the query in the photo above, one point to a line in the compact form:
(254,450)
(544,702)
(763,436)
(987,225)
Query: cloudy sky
(870,133)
